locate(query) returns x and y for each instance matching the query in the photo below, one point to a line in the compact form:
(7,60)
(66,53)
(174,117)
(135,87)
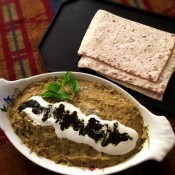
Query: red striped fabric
(164,7)
(20,32)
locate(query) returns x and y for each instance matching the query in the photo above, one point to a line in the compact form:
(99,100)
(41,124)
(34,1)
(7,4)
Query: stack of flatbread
(132,54)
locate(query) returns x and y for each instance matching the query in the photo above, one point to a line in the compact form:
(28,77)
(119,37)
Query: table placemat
(60,44)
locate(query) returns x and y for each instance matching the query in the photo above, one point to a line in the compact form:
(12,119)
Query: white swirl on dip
(110,137)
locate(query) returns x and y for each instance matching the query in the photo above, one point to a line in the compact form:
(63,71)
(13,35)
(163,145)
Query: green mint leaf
(66,78)
(54,87)
(49,94)
(74,86)
(60,95)
(69,81)
(63,95)
(61,91)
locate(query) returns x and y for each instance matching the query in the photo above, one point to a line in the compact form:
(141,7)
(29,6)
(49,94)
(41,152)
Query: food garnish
(63,90)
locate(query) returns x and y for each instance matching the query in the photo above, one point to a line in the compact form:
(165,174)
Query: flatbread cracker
(127,45)
(101,69)
(111,72)
(149,93)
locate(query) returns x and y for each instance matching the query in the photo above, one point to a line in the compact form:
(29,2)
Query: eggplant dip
(77,123)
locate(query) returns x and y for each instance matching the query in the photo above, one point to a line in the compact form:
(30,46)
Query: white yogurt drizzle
(119,149)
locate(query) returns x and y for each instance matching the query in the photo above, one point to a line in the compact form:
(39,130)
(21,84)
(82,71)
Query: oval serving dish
(160,142)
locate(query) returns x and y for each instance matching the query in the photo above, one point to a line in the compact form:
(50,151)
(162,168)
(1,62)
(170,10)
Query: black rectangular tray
(60,43)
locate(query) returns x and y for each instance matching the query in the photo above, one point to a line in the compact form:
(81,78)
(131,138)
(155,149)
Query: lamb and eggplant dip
(77,122)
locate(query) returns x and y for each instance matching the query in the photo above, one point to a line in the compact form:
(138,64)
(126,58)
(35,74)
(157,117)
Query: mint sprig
(63,90)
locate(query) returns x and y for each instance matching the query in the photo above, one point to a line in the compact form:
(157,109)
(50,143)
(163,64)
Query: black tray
(59,45)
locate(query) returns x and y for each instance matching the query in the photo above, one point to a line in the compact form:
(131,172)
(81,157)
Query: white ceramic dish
(161,135)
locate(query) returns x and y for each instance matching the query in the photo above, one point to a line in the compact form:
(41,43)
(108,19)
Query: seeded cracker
(152,89)
(95,54)
(126,45)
